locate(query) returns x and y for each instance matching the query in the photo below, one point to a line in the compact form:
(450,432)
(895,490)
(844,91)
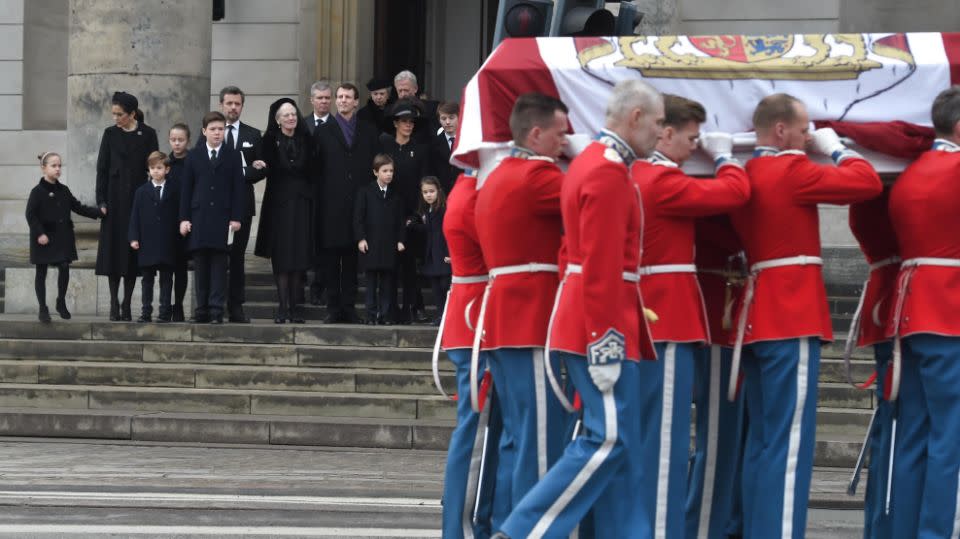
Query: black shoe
(386,322)
(216,320)
(371,321)
(176,314)
(62,309)
(332,318)
(238,317)
(44,314)
(125,313)
(278,318)
(163,319)
(145,319)
(114,312)
(200,319)
(420,317)
(350,318)
(295,319)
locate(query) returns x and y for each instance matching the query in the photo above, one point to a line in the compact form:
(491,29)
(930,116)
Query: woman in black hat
(288,159)
(411,161)
(375,111)
(121,169)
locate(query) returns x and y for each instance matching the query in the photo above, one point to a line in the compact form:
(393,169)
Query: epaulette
(662,160)
(617,150)
(520,152)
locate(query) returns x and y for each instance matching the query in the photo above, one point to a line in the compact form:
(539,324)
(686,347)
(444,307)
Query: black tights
(288,285)
(40,281)
(179,285)
(129,283)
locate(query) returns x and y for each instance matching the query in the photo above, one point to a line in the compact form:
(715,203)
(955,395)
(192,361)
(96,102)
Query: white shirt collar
(211,148)
(155,184)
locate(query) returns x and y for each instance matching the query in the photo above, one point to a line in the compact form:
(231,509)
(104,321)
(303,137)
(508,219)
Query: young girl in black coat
(52,241)
(436,256)
(179,139)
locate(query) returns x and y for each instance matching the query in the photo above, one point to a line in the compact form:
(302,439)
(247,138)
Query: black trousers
(340,279)
(238,250)
(381,288)
(147,276)
(210,279)
(440,286)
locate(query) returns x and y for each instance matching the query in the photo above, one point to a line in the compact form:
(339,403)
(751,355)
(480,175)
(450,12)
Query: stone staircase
(312,384)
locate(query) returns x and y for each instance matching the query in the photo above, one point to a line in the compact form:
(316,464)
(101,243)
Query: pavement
(85,489)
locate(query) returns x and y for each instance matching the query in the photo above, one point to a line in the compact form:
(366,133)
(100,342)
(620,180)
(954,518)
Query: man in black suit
(321,97)
(442,145)
(212,208)
(347,147)
(243,138)
(405,82)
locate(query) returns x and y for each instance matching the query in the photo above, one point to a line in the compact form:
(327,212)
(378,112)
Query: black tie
(384,193)
(318,122)
(159,189)
(230,139)
(213,155)
(451,140)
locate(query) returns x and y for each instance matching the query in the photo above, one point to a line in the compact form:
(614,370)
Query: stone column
(157,51)
(660,17)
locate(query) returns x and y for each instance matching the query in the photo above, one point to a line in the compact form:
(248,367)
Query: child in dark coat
(154,235)
(179,145)
(52,241)
(436,256)
(379,228)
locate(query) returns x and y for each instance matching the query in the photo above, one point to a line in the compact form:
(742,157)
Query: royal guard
(462,482)
(519,227)
(784,313)
(672,201)
(925,211)
(599,332)
(871,226)
(713,497)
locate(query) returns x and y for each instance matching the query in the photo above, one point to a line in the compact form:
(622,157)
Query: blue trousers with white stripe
(598,469)
(876,522)
(459,489)
(533,418)
(926,462)
(714,486)
(781,398)
(666,393)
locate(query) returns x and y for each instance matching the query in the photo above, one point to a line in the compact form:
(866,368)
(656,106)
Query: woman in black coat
(287,157)
(121,169)
(52,241)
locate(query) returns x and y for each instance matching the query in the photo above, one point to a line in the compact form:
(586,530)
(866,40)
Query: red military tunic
(466,259)
(602,221)
(781,221)
(518,222)
(671,203)
(720,272)
(924,206)
(870,224)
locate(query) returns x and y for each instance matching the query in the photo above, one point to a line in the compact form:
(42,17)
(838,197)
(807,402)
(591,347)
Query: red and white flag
(874,88)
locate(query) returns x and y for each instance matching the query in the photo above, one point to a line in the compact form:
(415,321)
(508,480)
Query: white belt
(855,323)
(533,267)
(628,276)
(469,279)
(801,260)
(668,268)
(910,265)
(456,279)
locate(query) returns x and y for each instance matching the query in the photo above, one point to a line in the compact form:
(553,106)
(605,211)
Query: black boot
(62,309)
(44,314)
(114,311)
(125,314)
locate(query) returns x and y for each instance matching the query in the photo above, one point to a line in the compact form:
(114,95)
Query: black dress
(48,212)
(285,233)
(121,169)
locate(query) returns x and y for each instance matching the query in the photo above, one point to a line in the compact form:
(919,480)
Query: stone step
(842,395)
(265,311)
(268,293)
(833,370)
(224,401)
(272,378)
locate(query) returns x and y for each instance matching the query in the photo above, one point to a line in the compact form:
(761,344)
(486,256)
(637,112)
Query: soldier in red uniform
(672,202)
(599,331)
(784,313)
(925,211)
(519,228)
(713,500)
(870,224)
(456,337)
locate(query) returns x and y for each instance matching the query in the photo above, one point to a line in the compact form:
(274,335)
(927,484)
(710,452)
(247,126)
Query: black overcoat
(440,162)
(48,212)
(155,223)
(411,162)
(288,199)
(121,169)
(345,169)
(435,245)
(248,137)
(213,193)
(380,221)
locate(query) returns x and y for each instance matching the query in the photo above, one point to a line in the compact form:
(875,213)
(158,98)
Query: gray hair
(945,112)
(628,95)
(320,86)
(406,75)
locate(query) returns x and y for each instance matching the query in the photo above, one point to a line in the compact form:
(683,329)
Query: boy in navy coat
(212,204)
(153,234)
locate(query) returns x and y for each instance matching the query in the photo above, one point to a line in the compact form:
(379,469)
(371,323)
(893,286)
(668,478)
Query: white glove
(826,141)
(717,144)
(576,143)
(605,376)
